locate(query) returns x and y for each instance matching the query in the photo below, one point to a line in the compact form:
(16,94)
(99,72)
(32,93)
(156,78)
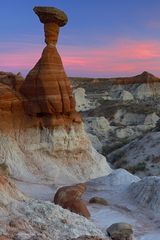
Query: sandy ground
(121,207)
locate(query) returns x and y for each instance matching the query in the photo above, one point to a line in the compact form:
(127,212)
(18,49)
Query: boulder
(120,231)
(98,200)
(69,197)
(77,206)
(68,193)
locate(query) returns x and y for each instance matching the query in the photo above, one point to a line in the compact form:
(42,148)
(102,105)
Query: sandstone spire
(47,142)
(46,87)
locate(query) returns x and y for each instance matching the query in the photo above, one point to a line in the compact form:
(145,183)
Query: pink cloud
(18,56)
(123,57)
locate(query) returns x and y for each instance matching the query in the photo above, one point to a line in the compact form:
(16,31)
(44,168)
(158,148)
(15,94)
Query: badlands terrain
(121,116)
(36,161)
(51,138)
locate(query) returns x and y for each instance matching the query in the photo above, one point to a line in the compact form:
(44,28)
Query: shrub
(4,169)
(135,168)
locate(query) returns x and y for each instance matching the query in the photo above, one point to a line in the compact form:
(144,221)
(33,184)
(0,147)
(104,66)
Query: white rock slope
(146,193)
(59,156)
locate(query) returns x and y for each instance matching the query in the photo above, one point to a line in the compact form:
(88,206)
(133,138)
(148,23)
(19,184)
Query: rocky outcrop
(13,80)
(126,118)
(60,156)
(144,77)
(126,96)
(42,220)
(151,119)
(140,155)
(82,103)
(130,105)
(98,125)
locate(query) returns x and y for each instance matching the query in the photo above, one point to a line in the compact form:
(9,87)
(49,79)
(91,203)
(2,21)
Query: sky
(103,38)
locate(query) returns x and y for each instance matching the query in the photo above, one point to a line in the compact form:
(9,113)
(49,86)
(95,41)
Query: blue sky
(103,38)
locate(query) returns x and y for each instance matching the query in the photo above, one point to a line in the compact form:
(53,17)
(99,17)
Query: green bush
(135,168)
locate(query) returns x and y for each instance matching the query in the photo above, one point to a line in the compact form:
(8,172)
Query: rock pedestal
(42,136)
(47,89)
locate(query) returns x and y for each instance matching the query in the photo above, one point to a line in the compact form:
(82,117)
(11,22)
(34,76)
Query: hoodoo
(45,138)
(46,88)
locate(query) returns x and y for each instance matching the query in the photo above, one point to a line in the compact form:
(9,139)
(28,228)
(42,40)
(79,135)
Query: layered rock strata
(42,135)
(46,87)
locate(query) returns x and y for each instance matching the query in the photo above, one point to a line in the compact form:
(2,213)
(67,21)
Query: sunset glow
(95,50)
(123,57)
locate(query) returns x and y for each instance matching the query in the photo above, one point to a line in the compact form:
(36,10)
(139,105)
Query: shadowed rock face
(47,89)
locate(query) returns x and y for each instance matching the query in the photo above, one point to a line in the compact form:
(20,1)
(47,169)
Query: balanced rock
(50,15)
(46,88)
(69,197)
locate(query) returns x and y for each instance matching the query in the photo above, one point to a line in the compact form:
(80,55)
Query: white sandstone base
(60,156)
